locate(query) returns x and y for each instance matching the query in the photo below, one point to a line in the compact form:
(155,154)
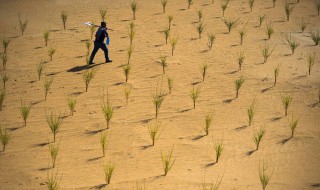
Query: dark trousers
(97,46)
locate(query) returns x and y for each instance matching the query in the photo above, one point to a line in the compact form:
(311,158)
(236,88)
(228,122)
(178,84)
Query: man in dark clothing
(99,43)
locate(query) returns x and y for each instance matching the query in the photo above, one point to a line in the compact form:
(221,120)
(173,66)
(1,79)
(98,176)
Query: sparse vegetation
(22,24)
(251,4)
(224,6)
(88,45)
(167,162)
(240,59)
(266,52)
(4,138)
(230,24)
(2,97)
(54,150)
(103,12)
(25,111)
(53,181)
(46,35)
(315,36)
(251,112)
(134,7)
(208,121)
(238,83)
(40,69)
(127,92)
(269,30)
(264,177)
(54,122)
(129,52)
(293,123)
(104,142)
(317,6)
(200,14)
(132,32)
(211,39)
(190,2)
(154,132)
(72,104)
(170,19)
(173,42)
(170,84)
(276,74)
(311,60)
(64,18)
(92,30)
(258,137)
(163,63)
(292,43)
(51,52)
(218,149)
(166,32)
(164,4)
(194,94)
(87,77)
(108,171)
(211,186)
(107,110)
(47,85)
(204,69)
(288,8)
(5,44)
(200,29)
(261,19)
(242,33)
(4,78)
(4,58)
(286,101)
(158,98)
(303,24)
(126,71)
(274,3)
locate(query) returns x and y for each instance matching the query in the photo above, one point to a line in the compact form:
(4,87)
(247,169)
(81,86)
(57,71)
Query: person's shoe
(109,61)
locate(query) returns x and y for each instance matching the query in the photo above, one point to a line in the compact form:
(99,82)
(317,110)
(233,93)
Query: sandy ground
(26,162)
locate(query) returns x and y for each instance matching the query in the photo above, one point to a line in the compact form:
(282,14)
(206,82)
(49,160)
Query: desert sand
(294,164)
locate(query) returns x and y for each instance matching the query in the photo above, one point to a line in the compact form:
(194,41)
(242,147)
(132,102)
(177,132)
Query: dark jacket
(101,34)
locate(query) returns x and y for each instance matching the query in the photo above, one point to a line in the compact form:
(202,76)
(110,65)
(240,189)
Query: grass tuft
(51,52)
(25,111)
(126,71)
(251,4)
(71,104)
(167,162)
(107,110)
(288,8)
(134,7)
(311,60)
(22,24)
(190,2)
(163,63)
(87,77)
(276,74)
(218,147)
(266,52)
(315,36)
(286,102)
(53,181)
(194,95)
(292,43)
(251,112)
(154,132)
(200,14)
(170,84)
(261,19)
(2,97)
(269,30)
(4,138)
(64,18)
(211,39)
(46,35)
(127,92)
(158,98)
(54,150)
(240,59)
(92,29)
(5,44)
(40,68)
(224,6)
(258,137)
(103,12)
(170,19)
(173,42)
(132,32)
(4,58)
(200,29)
(274,3)
(47,85)
(293,123)
(129,52)
(104,141)
(263,176)
(5,79)
(54,122)
(88,45)
(166,32)
(238,83)
(204,69)
(212,186)
(208,121)
(164,5)
(303,24)
(230,24)
(243,34)
(108,171)
(317,6)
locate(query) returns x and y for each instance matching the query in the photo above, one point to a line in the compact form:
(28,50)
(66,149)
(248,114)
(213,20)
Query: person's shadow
(83,67)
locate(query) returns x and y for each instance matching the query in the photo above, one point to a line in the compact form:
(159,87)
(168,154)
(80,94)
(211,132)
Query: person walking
(99,43)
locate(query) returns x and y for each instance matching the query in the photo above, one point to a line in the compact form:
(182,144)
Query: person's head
(103,24)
